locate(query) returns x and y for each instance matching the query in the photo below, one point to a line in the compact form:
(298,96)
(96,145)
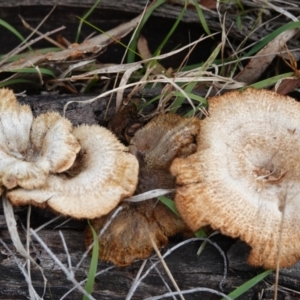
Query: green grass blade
(94,263)
(248,285)
(201,17)
(211,58)
(17,81)
(188,89)
(84,18)
(270,81)
(132,46)
(167,37)
(169,203)
(12,30)
(198,98)
(43,71)
(147,103)
(200,233)
(180,98)
(271,36)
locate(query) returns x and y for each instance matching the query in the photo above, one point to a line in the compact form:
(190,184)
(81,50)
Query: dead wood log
(169,10)
(188,270)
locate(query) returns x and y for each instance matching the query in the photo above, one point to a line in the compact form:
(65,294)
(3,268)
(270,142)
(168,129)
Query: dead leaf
(288,85)
(145,53)
(258,64)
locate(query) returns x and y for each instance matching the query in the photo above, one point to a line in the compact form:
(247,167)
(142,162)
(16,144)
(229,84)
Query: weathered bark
(171,11)
(188,270)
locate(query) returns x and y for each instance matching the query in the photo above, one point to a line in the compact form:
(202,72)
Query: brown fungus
(244,178)
(128,235)
(31,148)
(102,175)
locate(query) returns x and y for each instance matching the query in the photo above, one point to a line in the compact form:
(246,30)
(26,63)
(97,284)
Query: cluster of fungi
(237,171)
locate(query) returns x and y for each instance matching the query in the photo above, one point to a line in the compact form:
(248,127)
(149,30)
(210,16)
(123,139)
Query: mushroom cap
(53,136)
(103,174)
(244,178)
(167,136)
(31,148)
(127,236)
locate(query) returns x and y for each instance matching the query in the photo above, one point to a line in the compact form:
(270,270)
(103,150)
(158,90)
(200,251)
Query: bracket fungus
(128,235)
(103,173)
(32,148)
(244,178)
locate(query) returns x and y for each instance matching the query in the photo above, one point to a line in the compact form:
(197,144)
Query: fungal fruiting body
(102,175)
(128,236)
(31,147)
(244,178)
(81,172)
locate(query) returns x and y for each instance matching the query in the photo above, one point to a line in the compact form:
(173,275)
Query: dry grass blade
(124,67)
(13,231)
(18,49)
(124,80)
(149,195)
(279,9)
(284,201)
(200,289)
(166,267)
(107,224)
(164,281)
(32,292)
(67,253)
(228,83)
(69,275)
(12,228)
(135,285)
(47,223)
(70,68)
(84,281)
(33,60)
(177,87)
(92,46)
(135,32)
(35,30)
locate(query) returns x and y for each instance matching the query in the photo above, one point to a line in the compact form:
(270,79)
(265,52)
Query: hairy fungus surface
(128,235)
(244,178)
(32,148)
(103,173)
